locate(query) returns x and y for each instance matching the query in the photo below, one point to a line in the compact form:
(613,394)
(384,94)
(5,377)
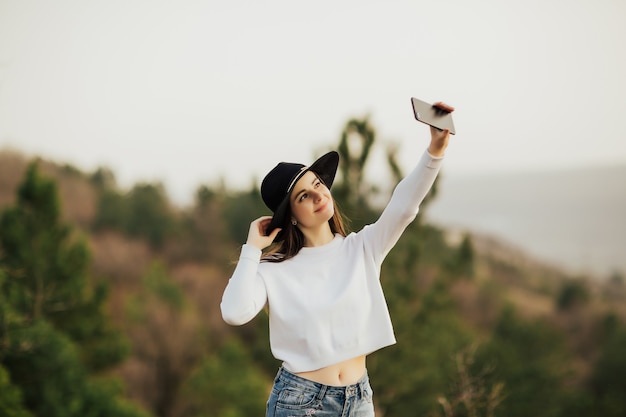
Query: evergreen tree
(149,215)
(354,148)
(531,359)
(240,209)
(573,294)
(608,385)
(462,259)
(47,273)
(53,332)
(112,211)
(11,398)
(142,213)
(227,384)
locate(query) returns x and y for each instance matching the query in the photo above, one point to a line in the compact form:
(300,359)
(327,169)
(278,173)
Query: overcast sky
(188,92)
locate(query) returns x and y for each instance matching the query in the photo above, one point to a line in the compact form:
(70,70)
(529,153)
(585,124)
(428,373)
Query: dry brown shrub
(135,372)
(205,241)
(167,343)
(584,330)
(530,304)
(204,285)
(509,265)
(425,278)
(477,305)
(471,395)
(580,327)
(12,168)
(77,197)
(122,263)
(119,259)
(79,200)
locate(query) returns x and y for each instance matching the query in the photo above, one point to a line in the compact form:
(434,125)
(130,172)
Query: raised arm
(404,204)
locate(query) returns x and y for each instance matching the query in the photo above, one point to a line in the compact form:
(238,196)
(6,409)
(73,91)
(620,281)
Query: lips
(322,207)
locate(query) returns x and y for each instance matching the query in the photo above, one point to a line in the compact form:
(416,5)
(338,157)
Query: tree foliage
(607,382)
(354,148)
(422,361)
(227,384)
(573,294)
(59,348)
(531,359)
(143,212)
(54,334)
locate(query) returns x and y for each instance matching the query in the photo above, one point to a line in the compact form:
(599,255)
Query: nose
(317,196)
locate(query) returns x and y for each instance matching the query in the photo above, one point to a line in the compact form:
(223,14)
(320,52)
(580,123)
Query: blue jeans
(294,396)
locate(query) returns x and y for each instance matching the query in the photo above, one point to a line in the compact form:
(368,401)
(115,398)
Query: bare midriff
(340,374)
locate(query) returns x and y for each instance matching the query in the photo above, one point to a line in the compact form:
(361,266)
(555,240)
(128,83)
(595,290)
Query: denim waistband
(357,389)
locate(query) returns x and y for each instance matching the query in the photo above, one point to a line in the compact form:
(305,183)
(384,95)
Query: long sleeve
(245,295)
(403,206)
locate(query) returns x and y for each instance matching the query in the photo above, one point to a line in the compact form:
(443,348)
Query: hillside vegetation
(109,306)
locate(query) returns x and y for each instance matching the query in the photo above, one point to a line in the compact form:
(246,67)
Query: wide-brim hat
(279,182)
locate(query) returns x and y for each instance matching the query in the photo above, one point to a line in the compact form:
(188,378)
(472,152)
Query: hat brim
(326,168)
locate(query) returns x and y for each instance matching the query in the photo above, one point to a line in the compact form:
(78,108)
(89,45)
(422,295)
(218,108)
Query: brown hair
(293,239)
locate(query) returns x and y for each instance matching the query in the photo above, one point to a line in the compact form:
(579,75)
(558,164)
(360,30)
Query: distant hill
(571,219)
(575,219)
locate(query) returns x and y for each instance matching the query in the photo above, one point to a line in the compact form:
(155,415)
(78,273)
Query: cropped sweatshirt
(326,304)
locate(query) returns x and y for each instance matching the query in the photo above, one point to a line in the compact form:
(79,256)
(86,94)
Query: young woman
(327,310)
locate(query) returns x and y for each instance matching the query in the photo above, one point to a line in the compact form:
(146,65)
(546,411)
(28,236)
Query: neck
(318,237)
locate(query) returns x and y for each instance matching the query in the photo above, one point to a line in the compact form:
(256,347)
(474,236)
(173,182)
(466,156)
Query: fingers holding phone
(443,107)
(438,115)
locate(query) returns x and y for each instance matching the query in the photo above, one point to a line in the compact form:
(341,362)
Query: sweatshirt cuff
(250,252)
(432,161)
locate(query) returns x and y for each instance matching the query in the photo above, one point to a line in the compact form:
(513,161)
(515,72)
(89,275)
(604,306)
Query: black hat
(279,182)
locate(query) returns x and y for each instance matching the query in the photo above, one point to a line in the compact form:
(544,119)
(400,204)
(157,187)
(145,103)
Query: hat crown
(277,183)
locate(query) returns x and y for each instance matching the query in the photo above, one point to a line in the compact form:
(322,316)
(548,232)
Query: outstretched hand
(256,233)
(439,138)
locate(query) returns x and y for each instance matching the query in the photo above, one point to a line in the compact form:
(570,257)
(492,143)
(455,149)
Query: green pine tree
(11,398)
(54,336)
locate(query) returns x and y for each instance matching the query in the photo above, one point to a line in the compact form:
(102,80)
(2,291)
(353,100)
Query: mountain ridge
(574,218)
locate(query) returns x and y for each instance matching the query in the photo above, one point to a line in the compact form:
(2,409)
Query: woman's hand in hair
(439,138)
(256,234)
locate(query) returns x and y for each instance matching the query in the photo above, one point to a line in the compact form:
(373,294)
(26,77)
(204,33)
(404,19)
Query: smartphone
(432,115)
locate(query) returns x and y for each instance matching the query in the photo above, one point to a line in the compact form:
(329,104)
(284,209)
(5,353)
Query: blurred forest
(109,306)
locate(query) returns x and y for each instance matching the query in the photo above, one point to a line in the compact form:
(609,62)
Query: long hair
(293,239)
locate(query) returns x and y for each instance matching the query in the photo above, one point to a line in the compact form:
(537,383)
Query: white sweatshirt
(326,304)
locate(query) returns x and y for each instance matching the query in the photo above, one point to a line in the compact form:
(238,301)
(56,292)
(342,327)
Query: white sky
(187,92)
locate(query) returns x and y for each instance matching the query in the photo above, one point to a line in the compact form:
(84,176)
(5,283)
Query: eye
(303,196)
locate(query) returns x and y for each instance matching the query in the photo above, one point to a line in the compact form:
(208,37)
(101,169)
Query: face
(311,202)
